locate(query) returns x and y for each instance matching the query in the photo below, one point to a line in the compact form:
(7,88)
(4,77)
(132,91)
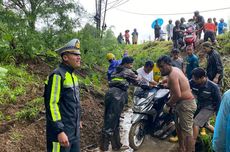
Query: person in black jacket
(208,98)
(62,102)
(214,64)
(177,35)
(115,98)
(199,20)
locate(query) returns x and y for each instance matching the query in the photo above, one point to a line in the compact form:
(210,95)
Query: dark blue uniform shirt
(208,95)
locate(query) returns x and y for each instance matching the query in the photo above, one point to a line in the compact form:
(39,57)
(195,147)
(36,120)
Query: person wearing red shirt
(127,37)
(209,31)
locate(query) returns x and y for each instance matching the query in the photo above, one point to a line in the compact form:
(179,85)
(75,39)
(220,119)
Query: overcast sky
(122,20)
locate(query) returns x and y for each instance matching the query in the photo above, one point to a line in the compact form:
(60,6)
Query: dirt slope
(28,136)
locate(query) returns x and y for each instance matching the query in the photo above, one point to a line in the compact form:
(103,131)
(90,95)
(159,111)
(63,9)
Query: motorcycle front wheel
(136,135)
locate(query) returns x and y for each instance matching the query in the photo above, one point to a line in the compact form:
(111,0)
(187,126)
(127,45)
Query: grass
(31,110)
(4,117)
(148,51)
(14,83)
(224,42)
(16,136)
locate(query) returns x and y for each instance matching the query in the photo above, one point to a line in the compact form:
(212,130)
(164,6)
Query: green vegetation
(149,51)
(4,117)
(20,41)
(16,136)
(224,41)
(14,83)
(31,110)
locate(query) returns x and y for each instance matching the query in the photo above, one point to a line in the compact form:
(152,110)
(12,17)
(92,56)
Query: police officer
(62,102)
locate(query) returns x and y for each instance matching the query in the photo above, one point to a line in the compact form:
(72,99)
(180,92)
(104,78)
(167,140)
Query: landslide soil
(29,135)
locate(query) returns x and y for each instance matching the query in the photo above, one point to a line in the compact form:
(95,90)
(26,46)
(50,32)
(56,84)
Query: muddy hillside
(22,113)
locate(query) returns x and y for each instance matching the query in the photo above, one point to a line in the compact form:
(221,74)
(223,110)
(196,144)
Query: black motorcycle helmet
(127,60)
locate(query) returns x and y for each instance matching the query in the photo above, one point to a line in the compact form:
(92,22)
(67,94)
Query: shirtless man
(183,101)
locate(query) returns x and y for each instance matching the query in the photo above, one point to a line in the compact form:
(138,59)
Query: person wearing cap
(191,61)
(221,26)
(113,63)
(214,66)
(177,61)
(62,102)
(115,98)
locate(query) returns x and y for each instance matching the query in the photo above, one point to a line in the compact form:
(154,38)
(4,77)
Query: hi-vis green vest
(62,103)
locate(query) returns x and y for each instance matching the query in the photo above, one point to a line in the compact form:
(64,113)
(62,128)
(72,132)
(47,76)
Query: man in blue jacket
(221,26)
(113,63)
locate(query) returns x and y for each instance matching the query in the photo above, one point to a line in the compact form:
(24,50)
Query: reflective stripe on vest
(118,79)
(56,147)
(55,96)
(68,82)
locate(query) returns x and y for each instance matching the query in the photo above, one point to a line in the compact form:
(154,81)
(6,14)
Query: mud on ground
(28,136)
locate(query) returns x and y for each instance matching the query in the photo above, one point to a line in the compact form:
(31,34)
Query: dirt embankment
(29,135)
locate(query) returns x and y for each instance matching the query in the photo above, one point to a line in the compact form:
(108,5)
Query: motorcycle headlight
(137,108)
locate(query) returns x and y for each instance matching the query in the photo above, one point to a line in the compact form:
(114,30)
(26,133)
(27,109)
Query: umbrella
(160,22)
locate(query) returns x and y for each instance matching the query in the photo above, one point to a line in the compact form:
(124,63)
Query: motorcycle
(190,36)
(187,37)
(148,116)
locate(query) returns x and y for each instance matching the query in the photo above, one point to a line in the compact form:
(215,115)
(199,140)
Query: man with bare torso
(183,101)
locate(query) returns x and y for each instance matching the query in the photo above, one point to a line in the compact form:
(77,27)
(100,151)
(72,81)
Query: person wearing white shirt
(146,73)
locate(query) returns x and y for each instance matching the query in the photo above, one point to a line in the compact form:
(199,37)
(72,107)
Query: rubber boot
(104,142)
(116,140)
(203,132)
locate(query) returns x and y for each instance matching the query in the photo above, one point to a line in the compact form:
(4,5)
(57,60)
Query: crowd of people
(125,38)
(194,94)
(176,32)
(195,25)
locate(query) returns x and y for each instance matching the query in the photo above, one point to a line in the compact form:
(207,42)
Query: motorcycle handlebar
(158,86)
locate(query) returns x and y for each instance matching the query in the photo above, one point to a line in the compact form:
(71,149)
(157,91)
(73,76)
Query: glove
(166,109)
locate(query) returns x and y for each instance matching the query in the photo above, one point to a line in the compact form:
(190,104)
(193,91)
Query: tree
(20,29)
(56,10)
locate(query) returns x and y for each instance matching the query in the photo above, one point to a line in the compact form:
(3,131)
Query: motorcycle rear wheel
(136,135)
